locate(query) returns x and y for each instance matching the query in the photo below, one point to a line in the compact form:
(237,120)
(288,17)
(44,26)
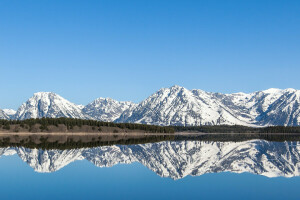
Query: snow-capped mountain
(9,112)
(107,109)
(179,106)
(268,107)
(48,104)
(283,110)
(3,115)
(175,106)
(177,159)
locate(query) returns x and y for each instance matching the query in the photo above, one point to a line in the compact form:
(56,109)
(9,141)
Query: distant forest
(237,129)
(70,123)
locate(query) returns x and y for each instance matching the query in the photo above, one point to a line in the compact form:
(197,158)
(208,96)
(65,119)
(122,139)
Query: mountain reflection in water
(177,159)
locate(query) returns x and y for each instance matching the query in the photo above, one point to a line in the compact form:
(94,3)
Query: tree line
(71,122)
(237,129)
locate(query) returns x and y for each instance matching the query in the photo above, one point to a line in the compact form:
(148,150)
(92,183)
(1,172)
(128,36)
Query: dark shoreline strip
(70,143)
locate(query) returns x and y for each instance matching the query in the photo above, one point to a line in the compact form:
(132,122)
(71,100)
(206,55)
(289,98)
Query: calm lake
(254,169)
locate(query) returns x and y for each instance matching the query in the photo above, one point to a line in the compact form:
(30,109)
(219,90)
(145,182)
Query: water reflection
(177,159)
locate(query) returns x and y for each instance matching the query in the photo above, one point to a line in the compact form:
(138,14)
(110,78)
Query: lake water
(255,169)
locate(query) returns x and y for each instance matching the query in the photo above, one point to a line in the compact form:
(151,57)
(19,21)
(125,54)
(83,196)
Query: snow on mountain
(107,109)
(3,115)
(9,112)
(284,110)
(179,106)
(80,106)
(177,159)
(48,104)
(175,106)
(268,107)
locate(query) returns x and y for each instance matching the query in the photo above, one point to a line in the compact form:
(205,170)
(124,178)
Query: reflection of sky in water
(83,180)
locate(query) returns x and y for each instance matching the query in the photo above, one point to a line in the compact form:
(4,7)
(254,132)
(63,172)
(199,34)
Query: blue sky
(129,49)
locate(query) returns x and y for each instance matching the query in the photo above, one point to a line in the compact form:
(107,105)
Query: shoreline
(59,140)
(82,134)
(3,134)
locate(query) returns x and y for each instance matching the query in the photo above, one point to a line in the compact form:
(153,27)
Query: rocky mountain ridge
(175,106)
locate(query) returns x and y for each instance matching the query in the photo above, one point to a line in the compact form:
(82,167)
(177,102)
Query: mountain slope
(175,106)
(48,104)
(179,106)
(285,110)
(107,109)
(3,115)
(9,112)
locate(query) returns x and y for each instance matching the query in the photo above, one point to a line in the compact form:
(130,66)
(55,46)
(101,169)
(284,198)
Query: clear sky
(127,50)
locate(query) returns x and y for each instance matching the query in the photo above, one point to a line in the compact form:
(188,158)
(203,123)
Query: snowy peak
(175,106)
(277,90)
(272,91)
(179,106)
(107,109)
(9,112)
(48,104)
(281,108)
(162,107)
(3,115)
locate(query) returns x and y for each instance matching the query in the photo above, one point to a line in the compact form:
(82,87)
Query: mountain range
(177,160)
(174,106)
